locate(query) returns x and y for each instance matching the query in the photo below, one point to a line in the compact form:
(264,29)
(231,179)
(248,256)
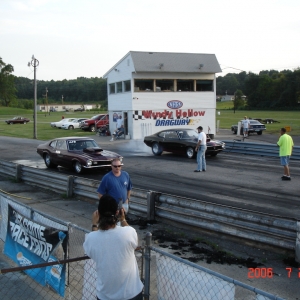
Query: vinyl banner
(29,242)
(179,281)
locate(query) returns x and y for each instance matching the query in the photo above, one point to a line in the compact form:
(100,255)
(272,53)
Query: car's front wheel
(190,152)
(77,167)
(48,162)
(71,127)
(156,149)
(259,132)
(10,123)
(24,122)
(92,128)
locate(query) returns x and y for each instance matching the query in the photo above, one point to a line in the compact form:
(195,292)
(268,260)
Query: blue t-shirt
(117,187)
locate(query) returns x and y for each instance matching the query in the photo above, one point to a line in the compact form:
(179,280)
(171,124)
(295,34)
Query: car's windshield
(81,144)
(95,117)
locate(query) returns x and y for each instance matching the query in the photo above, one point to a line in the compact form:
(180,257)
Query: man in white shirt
(201,149)
(119,127)
(246,125)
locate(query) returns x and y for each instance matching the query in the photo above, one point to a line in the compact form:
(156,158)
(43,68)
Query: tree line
(266,90)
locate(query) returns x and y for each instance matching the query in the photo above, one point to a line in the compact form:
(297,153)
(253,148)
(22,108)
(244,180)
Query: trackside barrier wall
(165,276)
(252,226)
(238,146)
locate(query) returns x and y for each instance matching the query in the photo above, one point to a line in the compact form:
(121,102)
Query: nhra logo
(174,104)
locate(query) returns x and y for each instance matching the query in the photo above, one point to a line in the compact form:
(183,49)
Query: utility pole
(34,62)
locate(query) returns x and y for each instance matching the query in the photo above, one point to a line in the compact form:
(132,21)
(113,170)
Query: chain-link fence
(165,276)
(175,278)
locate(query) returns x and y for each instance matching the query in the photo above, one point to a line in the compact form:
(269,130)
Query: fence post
(151,205)
(70,184)
(18,172)
(297,253)
(147,266)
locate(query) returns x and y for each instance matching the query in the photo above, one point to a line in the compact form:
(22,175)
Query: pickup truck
(96,122)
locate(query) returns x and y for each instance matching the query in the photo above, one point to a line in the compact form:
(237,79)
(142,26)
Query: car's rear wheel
(71,127)
(156,149)
(259,132)
(48,162)
(77,167)
(92,128)
(24,122)
(190,152)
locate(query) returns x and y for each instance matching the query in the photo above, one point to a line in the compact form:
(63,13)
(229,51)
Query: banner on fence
(29,242)
(176,280)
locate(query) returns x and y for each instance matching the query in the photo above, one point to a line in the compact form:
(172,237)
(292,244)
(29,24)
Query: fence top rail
(216,274)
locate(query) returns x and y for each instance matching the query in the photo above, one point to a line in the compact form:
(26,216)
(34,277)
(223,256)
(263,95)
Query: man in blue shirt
(117,184)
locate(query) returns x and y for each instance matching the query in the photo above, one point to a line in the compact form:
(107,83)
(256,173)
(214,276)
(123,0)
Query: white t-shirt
(117,269)
(202,138)
(245,123)
(119,123)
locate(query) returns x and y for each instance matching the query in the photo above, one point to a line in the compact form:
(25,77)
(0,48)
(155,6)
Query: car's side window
(53,144)
(171,135)
(61,145)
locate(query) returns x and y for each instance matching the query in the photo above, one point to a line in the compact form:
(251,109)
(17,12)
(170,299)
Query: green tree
(238,100)
(7,84)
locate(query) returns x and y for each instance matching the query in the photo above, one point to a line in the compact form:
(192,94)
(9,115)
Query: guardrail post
(18,172)
(147,266)
(151,205)
(70,184)
(297,254)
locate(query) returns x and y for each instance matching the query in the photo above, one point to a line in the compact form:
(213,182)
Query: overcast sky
(75,38)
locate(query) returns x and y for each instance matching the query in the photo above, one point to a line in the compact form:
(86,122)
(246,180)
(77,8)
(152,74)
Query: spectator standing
(117,184)
(201,149)
(119,125)
(246,125)
(286,145)
(112,248)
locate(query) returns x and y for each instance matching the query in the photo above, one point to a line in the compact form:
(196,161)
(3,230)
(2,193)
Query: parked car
(255,126)
(61,122)
(180,141)
(73,124)
(17,120)
(78,153)
(79,109)
(52,109)
(96,122)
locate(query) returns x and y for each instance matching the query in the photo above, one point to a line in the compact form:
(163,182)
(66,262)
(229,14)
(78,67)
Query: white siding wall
(199,106)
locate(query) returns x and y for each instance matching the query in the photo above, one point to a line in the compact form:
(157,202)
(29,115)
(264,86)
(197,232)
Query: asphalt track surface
(248,182)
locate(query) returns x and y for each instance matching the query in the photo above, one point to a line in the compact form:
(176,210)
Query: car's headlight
(89,163)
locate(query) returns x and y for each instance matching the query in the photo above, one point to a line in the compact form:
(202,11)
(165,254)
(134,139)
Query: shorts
(245,129)
(284,160)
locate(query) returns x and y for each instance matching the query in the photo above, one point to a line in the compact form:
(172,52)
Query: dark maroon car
(17,120)
(78,153)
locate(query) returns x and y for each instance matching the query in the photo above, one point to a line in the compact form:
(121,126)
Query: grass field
(227,117)
(45,132)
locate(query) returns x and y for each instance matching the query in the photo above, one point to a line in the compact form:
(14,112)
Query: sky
(85,38)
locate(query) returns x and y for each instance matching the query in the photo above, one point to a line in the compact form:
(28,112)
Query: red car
(96,122)
(79,153)
(17,120)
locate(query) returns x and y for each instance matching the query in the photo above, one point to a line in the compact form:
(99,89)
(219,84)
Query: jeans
(201,158)
(137,297)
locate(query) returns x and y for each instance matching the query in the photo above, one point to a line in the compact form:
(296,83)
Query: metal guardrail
(238,146)
(240,223)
